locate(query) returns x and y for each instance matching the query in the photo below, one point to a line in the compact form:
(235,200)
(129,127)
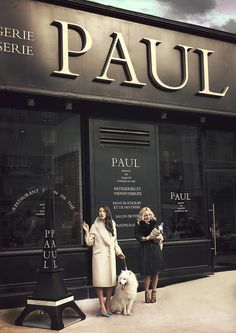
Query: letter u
(54,254)
(152,64)
(45,255)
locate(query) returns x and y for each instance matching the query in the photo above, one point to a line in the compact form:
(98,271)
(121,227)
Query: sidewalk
(198,306)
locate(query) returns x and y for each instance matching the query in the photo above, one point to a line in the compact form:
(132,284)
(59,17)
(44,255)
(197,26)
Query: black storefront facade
(106,106)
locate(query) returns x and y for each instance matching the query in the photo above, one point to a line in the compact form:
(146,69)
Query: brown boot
(147,297)
(154,296)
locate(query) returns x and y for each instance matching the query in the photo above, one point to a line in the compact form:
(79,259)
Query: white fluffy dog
(125,293)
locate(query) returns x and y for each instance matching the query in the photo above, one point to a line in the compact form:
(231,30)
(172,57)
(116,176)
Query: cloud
(185,8)
(216,14)
(229,26)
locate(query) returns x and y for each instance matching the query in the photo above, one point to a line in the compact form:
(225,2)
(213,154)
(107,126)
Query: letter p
(114,161)
(65,52)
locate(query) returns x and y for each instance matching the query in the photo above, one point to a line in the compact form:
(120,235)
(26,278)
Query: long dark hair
(108,219)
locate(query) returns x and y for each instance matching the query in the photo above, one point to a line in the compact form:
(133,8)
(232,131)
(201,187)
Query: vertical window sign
(181,200)
(127,190)
(125,180)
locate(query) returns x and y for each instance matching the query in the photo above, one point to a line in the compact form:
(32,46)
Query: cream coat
(105,249)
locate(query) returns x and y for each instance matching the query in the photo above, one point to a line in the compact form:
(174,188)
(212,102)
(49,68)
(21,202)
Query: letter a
(124,59)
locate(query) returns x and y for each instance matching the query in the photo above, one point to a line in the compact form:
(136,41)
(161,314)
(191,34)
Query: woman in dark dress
(150,255)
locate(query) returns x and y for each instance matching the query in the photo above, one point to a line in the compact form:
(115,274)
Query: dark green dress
(150,255)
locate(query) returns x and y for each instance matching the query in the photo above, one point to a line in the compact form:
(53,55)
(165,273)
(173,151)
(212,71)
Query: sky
(216,14)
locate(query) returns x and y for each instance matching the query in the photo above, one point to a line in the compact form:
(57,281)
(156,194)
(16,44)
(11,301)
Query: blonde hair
(142,213)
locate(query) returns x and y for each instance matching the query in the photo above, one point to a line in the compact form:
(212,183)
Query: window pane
(181,186)
(40,160)
(220,147)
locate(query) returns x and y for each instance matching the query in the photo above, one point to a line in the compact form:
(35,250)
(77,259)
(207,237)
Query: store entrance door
(222,217)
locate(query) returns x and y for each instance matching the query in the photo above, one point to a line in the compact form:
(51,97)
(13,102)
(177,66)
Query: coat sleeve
(137,233)
(118,250)
(90,237)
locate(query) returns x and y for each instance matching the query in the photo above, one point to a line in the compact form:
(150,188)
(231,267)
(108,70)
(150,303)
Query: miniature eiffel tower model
(50,295)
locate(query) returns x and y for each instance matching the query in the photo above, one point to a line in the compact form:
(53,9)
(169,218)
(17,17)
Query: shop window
(40,177)
(220,147)
(180,180)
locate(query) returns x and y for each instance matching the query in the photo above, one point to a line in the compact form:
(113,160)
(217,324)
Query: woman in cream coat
(103,238)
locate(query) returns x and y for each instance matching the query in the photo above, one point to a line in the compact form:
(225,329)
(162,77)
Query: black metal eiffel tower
(50,295)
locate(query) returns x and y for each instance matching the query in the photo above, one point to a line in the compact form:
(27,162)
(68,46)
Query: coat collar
(102,231)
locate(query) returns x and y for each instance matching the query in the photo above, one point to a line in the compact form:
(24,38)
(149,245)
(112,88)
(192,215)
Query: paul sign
(118,46)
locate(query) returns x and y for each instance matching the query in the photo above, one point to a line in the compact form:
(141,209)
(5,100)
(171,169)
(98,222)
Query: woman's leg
(147,280)
(154,281)
(154,287)
(103,309)
(108,298)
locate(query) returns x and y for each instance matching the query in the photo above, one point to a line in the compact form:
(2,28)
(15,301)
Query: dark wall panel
(124,170)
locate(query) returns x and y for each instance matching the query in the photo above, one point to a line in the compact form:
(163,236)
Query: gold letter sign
(124,59)
(86,39)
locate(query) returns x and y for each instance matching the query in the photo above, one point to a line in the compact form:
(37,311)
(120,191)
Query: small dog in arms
(157,235)
(125,293)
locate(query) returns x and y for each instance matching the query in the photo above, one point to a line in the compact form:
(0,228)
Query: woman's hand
(151,237)
(86,227)
(121,256)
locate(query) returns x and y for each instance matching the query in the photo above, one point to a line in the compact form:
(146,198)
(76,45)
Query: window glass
(220,147)
(40,176)
(180,179)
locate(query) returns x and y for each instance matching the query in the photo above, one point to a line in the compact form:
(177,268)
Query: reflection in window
(40,165)
(220,147)
(181,186)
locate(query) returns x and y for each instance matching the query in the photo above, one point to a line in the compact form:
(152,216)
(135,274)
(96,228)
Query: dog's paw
(129,314)
(118,312)
(125,313)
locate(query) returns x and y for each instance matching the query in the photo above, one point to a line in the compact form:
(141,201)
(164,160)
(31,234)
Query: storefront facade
(110,107)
